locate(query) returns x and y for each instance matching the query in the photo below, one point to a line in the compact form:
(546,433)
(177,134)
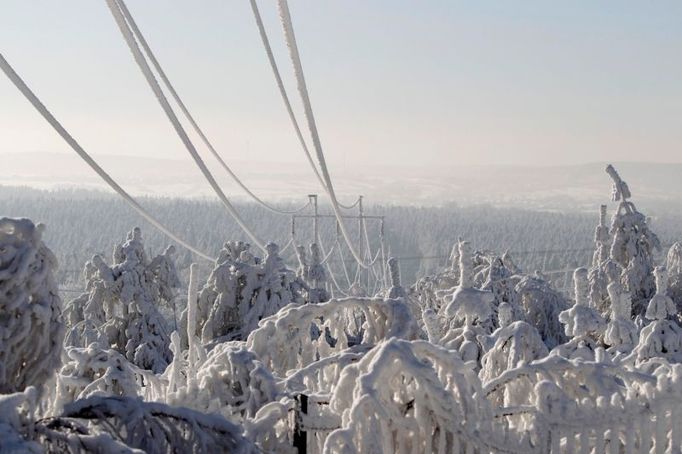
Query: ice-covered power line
(287,102)
(40,107)
(185,111)
(127,33)
(285,18)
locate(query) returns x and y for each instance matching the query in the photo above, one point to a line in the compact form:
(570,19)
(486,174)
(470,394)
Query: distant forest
(81,223)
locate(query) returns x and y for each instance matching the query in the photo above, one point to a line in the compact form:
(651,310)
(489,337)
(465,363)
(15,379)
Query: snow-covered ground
(260,355)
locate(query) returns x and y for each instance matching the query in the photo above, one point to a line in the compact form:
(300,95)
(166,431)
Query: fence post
(300,435)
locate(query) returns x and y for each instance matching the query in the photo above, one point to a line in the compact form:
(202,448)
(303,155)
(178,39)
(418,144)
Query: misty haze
(337,227)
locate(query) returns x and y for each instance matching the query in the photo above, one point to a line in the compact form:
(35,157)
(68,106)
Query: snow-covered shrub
(468,302)
(313,274)
(541,306)
(581,322)
(621,334)
(94,371)
(120,308)
(602,239)
(513,345)
(31,328)
(229,381)
(127,425)
(600,277)
(16,417)
(564,393)
(498,274)
(299,335)
(272,429)
(411,396)
(663,336)
(632,246)
(468,305)
(242,290)
(396,290)
(674,267)
(431,291)
(603,270)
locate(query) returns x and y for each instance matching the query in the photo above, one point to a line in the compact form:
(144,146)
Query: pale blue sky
(433,83)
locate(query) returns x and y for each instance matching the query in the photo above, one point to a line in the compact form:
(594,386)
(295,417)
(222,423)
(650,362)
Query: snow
(31,331)
(478,357)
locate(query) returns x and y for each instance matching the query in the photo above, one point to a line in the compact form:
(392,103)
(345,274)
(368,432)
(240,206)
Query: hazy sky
(406,82)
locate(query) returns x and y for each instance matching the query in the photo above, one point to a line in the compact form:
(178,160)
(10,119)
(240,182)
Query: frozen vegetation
(423,235)
(267,355)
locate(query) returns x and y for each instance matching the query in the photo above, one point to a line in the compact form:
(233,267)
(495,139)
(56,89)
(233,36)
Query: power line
(40,107)
(287,103)
(116,10)
(162,74)
(294,55)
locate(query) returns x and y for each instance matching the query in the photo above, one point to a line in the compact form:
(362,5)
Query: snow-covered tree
(541,306)
(633,245)
(31,327)
(674,266)
(242,290)
(407,395)
(396,290)
(601,239)
(581,322)
(313,274)
(663,336)
(96,371)
(120,308)
(621,333)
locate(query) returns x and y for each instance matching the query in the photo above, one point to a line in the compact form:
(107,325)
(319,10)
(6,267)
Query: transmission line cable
(127,33)
(185,111)
(40,107)
(294,55)
(285,98)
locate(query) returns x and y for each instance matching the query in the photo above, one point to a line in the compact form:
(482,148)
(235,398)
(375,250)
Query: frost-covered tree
(541,305)
(95,371)
(396,290)
(621,333)
(120,308)
(497,274)
(411,396)
(513,345)
(603,270)
(601,239)
(674,266)
(581,322)
(242,290)
(633,245)
(467,302)
(313,274)
(663,336)
(31,327)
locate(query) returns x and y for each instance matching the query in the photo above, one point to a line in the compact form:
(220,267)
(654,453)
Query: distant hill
(576,187)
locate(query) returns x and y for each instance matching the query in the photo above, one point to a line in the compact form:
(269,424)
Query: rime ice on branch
(396,290)
(674,266)
(601,239)
(31,329)
(468,302)
(581,322)
(242,290)
(663,336)
(633,245)
(120,309)
(621,333)
(313,274)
